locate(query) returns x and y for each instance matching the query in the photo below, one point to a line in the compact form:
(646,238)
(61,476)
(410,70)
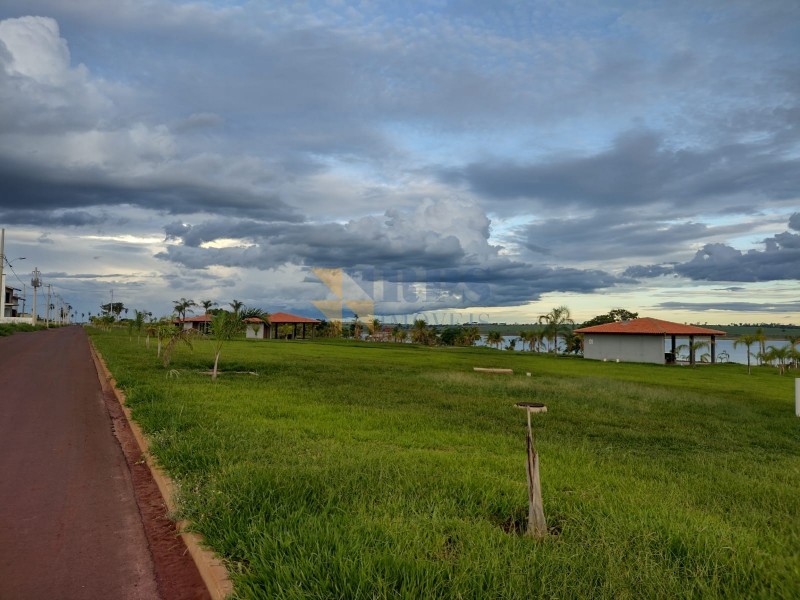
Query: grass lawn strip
(383,471)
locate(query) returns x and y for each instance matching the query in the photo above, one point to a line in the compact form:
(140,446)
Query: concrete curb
(211,568)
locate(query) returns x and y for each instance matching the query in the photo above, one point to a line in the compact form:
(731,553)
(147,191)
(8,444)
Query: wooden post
(537,525)
(797,396)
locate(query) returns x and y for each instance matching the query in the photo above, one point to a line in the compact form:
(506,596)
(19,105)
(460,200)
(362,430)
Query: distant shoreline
(732,331)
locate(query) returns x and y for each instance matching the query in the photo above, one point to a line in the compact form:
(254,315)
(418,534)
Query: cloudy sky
(492,159)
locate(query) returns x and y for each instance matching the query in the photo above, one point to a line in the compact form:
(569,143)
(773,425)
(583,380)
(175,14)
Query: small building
(9,306)
(256,329)
(201,323)
(642,340)
(281,318)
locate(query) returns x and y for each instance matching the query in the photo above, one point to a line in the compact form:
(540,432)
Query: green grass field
(356,470)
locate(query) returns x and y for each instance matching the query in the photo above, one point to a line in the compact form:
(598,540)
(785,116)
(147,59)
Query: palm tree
(179,336)
(335,328)
(573,342)
(779,355)
(358,326)
(419,331)
(525,338)
(794,355)
(471,335)
(182,305)
(537,340)
(793,340)
(225,326)
(374,326)
(746,340)
(761,338)
(207,304)
(236,305)
(150,331)
(494,339)
(138,322)
(164,329)
(555,321)
(692,347)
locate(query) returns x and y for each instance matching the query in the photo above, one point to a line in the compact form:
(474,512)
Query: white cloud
(38,51)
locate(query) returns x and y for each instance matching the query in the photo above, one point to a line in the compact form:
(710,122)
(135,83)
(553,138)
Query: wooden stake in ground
(537,526)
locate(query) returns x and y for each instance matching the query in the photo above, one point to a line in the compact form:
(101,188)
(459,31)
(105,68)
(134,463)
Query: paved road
(70,526)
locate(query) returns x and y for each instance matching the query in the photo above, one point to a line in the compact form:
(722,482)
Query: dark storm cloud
(38,188)
(640,169)
(780,260)
(456,270)
(323,245)
(613,234)
(720,262)
(645,271)
(503,282)
(47,218)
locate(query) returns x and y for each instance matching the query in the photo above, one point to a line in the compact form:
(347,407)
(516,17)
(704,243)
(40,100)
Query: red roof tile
(649,326)
(279,317)
(195,319)
(282,317)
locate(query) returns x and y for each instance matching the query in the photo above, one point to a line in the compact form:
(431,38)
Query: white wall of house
(255,333)
(28,320)
(625,347)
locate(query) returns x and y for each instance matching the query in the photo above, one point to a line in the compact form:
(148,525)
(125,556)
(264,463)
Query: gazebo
(282,318)
(642,340)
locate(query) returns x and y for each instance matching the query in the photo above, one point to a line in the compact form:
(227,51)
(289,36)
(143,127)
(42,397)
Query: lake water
(725,350)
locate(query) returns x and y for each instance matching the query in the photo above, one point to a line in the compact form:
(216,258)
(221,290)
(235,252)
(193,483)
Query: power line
(10,266)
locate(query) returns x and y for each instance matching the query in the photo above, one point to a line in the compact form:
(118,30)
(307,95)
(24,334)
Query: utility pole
(47,318)
(2,281)
(36,282)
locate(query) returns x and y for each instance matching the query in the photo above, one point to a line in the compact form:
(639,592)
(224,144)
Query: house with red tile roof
(201,323)
(642,340)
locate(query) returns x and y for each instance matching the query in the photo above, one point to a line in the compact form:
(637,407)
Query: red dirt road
(70,525)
